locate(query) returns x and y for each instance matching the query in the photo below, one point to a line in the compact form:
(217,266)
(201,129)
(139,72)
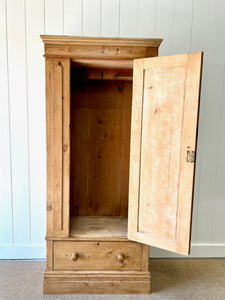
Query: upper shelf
(99,47)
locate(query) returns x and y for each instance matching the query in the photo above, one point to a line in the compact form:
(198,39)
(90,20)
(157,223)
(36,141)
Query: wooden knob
(74,256)
(120,258)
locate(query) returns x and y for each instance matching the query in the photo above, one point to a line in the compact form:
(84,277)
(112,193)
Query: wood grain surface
(164,126)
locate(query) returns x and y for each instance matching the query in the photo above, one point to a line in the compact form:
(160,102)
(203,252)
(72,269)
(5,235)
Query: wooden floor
(172,279)
(98,227)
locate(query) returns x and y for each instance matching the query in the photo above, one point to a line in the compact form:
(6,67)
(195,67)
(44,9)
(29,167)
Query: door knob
(120,258)
(74,256)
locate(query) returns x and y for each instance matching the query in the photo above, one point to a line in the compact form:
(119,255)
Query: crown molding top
(94,41)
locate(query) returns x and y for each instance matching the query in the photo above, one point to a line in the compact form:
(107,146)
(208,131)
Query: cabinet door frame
(58,145)
(190,67)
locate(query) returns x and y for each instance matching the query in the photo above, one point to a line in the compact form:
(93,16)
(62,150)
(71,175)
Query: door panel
(58,145)
(164,122)
(57,134)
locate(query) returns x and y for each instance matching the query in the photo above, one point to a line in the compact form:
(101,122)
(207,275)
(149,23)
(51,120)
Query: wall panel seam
(202,114)
(173,27)
(100,17)
(44,18)
(156,16)
(28,130)
(137,19)
(82,18)
(201,123)
(9,127)
(192,14)
(119,29)
(218,147)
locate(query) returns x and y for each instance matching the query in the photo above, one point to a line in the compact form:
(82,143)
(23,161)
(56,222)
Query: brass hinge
(191,156)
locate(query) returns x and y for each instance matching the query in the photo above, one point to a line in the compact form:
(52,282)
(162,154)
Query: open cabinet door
(163,141)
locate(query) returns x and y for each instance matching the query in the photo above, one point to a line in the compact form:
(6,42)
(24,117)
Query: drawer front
(97,255)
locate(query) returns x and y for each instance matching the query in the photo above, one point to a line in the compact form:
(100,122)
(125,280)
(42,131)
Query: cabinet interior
(101,98)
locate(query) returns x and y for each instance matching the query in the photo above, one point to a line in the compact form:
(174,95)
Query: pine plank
(58,145)
(57,135)
(164,125)
(102,63)
(98,128)
(98,41)
(98,227)
(99,51)
(49,255)
(98,255)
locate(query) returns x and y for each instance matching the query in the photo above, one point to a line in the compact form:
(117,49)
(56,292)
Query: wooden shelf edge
(89,239)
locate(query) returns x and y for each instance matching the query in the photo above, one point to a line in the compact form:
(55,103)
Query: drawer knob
(120,258)
(74,256)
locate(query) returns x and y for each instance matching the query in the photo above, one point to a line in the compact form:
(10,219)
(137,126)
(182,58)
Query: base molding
(96,282)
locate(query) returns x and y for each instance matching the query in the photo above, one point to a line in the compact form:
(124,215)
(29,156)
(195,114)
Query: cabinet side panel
(58,118)
(57,135)
(49,145)
(66,145)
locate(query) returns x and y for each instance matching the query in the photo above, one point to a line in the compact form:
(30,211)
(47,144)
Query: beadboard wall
(185,25)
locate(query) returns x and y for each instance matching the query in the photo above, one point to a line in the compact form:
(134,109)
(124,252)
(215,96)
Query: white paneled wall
(185,25)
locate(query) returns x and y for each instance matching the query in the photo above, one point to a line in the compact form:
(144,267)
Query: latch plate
(191,156)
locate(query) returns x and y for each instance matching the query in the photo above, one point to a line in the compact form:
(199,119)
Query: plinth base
(96,282)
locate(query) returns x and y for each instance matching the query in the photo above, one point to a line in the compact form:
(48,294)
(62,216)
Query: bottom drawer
(73,255)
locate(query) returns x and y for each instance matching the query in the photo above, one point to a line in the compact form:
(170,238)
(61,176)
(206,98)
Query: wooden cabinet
(121,139)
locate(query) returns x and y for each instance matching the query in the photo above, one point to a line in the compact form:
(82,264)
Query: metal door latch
(191,156)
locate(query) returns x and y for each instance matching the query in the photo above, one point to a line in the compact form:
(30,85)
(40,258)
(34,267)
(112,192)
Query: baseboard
(38,252)
(197,251)
(22,251)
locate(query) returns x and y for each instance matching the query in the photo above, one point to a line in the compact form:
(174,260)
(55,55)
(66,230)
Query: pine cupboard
(121,142)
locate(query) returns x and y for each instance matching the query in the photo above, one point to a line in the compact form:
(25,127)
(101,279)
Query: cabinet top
(95,41)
